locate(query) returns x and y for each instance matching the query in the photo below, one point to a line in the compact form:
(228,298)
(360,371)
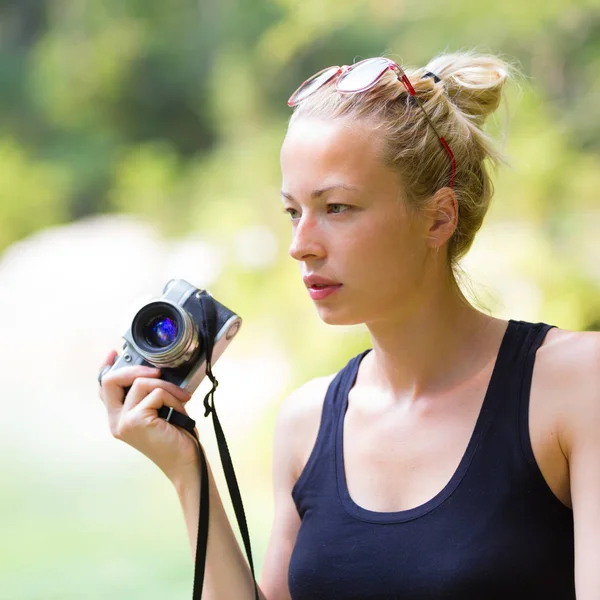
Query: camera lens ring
(177,324)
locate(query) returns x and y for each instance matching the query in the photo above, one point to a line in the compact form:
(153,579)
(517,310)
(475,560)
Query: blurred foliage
(176,110)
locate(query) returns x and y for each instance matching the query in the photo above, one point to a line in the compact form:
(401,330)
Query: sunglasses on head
(361,77)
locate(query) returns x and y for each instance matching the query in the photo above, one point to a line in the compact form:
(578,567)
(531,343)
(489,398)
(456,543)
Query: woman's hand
(133,418)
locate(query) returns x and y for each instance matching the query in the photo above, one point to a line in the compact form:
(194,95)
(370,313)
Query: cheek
(384,250)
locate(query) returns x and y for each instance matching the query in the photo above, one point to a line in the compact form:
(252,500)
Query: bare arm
(227,574)
(295,434)
(134,420)
(582,441)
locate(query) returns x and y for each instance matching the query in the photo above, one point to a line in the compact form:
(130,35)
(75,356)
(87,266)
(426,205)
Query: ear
(442,217)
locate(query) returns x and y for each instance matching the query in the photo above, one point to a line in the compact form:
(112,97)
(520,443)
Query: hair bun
(472,81)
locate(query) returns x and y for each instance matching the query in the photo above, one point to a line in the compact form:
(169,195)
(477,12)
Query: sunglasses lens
(362,75)
(312,84)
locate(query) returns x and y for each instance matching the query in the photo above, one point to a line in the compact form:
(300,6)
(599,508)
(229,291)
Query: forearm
(227,574)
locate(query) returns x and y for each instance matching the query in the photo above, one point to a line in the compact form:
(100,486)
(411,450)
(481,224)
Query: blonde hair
(469,89)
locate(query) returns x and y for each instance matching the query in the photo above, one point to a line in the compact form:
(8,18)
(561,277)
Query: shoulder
(572,358)
(571,368)
(298,421)
(305,400)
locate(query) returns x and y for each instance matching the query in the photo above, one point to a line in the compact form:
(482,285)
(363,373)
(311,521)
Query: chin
(338,317)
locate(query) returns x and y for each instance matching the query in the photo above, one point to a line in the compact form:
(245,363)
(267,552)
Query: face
(351,231)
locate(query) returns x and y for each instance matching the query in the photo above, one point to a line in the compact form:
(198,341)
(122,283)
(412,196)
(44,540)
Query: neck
(437,344)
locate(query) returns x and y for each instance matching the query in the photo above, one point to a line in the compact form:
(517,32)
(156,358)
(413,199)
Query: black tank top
(495,531)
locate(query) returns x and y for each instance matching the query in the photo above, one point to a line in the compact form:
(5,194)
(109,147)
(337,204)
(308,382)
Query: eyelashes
(289,211)
(345,206)
(331,209)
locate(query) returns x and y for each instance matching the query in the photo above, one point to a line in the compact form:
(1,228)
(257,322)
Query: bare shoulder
(572,358)
(571,369)
(304,401)
(298,421)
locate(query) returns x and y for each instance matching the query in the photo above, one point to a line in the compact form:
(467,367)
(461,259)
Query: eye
(292,212)
(337,208)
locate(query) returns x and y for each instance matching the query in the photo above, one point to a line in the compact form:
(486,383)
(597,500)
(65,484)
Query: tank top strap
(535,335)
(514,366)
(507,398)
(321,461)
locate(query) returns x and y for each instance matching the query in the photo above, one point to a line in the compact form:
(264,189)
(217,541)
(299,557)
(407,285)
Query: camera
(172,333)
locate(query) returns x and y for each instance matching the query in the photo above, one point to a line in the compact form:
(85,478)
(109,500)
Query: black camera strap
(181,420)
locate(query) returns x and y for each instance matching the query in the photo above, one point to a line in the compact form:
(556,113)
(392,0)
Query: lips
(320,287)
(317,281)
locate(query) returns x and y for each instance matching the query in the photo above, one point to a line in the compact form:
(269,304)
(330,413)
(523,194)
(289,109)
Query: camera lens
(164,334)
(161,331)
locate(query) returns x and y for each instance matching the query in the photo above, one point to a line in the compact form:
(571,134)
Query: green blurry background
(139,140)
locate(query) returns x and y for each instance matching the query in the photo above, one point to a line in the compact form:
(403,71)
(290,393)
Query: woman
(459,458)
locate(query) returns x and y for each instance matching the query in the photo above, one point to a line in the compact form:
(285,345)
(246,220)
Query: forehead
(316,152)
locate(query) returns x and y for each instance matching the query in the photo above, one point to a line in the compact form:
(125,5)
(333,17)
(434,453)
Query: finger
(189,395)
(112,390)
(143,386)
(109,360)
(160,397)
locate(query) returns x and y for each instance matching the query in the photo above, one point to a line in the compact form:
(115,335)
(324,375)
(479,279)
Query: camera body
(170,333)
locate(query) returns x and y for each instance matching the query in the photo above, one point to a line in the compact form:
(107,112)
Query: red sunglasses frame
(342,72)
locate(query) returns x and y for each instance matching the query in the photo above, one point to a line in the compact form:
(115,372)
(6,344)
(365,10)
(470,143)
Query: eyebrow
(319,192)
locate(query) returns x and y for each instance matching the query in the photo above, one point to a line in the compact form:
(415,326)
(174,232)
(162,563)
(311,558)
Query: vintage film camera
(169,333)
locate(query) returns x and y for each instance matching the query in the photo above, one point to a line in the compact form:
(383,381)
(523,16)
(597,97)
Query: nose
(307,240)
